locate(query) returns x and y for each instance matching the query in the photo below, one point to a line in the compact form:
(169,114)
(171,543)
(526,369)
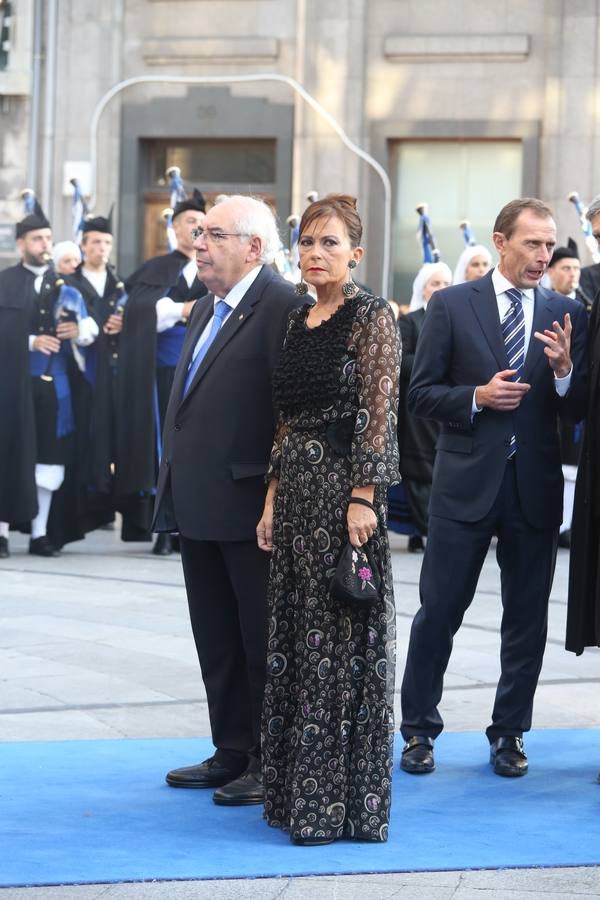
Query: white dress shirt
(232,299)
(169,312)
(501,285)
(96,279)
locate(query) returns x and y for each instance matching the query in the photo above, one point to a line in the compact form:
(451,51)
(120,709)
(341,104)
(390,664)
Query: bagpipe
(173,174)
(59,303)
(79,210)
(431,252)
(469,237)
(586,225)
(117,305)
(287,258)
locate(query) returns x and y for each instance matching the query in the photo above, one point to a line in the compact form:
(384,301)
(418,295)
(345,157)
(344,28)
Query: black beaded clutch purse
(356,579)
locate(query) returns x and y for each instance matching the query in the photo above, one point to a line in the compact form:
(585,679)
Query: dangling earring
(301,287)
(349,286)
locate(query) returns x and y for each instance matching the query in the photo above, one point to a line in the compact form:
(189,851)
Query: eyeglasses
(214,235)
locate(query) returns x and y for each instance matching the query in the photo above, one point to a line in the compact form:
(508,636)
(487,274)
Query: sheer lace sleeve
(274,466)
(375,443)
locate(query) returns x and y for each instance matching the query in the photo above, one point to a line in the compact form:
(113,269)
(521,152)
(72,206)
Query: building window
(221,165)
(214,166)
(458,180)
(6,10)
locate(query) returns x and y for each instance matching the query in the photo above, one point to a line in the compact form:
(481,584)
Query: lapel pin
(241,316)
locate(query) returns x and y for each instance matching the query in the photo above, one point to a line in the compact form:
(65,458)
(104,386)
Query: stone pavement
(96,644)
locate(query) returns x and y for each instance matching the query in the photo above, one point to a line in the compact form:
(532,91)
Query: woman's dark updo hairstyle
(343,206)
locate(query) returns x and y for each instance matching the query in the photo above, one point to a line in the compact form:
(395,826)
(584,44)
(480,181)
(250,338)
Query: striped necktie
(221,311)
(513,333)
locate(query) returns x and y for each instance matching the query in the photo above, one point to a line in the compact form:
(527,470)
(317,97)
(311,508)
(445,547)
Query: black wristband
(363,502)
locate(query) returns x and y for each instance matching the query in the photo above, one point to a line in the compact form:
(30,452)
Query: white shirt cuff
(474,408)
(168,313)
(32,338)
(563,384)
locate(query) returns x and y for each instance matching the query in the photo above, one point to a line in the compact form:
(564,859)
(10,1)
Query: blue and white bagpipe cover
(69,305)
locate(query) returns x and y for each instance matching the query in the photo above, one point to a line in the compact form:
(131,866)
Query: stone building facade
(464,104)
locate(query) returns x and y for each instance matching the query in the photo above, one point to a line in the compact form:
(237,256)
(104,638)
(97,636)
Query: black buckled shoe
(417,755)
(244,791)
(208,774)
(4,548)
(508,757)
(42,547)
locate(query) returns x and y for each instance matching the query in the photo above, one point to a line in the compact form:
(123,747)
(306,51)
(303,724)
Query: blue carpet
(99,811)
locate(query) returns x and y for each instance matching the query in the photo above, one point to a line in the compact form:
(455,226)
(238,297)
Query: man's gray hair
(255,218)
(593,209)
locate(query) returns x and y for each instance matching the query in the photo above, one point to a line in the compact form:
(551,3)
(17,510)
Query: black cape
(157,277)
(416,437)
(589,281)
(583,613)
(18,495)
(100,454)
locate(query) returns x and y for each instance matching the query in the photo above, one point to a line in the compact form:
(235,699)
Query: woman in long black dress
(328,709)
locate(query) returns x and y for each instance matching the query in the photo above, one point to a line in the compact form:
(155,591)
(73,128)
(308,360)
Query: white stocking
(38,525)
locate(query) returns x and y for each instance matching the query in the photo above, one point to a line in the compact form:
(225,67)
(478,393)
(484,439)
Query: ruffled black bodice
(307,375)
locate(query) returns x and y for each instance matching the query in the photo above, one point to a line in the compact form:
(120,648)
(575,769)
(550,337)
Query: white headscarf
(465,258)
(62,248)
(425,274)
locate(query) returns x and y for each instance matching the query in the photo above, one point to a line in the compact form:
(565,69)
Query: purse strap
(363,502)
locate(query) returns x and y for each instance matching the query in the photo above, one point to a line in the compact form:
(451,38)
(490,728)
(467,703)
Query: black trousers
(226,585)
(452,564)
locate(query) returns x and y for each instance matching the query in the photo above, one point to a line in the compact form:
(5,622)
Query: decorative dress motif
(328,709)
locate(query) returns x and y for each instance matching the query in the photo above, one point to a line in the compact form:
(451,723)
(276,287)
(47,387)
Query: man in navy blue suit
(217,438)
(499,359)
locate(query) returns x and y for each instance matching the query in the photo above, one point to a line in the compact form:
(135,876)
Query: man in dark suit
(498,359)
(217,439)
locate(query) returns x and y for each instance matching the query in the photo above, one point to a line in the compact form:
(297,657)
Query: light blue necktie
(221,311)
(513,332)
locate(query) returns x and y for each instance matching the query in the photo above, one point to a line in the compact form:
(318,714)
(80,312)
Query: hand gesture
(501,392)
(558,346)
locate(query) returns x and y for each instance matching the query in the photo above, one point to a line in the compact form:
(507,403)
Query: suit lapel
(543,316)
(485,306)
(235,321)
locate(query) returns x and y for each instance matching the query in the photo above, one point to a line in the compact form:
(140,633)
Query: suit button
(177,427)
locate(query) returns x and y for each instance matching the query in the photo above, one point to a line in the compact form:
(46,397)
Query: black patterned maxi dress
(328,710)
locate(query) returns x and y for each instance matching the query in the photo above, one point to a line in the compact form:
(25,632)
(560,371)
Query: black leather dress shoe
(415,544)
(564,539)
(162,544)
(417,755)
(4,549)
(208,774)
(244,791)
(508,757)
(42,547)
